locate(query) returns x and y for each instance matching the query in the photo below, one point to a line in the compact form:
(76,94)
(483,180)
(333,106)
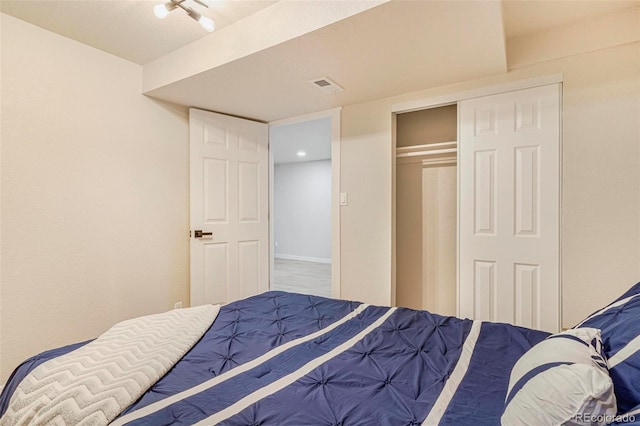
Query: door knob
(199,234)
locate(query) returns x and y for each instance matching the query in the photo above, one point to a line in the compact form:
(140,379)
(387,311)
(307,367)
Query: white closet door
(509,257)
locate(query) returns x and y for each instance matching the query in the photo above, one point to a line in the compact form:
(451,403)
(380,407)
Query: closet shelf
(427,150)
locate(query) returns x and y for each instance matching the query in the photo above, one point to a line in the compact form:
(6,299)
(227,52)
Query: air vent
(326,84)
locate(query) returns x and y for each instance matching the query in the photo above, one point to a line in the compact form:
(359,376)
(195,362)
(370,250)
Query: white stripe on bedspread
(96,382)
(606,308)
(629,349)
(290,378)
(163,403)
(450,387)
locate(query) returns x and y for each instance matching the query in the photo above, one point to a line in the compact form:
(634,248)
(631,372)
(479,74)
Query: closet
(477,213)
(426,203)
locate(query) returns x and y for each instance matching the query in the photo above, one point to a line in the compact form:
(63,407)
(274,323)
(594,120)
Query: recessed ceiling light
(302,154)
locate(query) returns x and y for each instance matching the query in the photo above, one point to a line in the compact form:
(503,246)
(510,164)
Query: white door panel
(510,208)
(229,199)
(216,273)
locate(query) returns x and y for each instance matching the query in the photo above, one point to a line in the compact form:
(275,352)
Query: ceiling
(522,17)
(312,137)
(393,47)
(128,28)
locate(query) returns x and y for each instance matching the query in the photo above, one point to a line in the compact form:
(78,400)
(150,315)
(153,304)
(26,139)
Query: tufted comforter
(289,359)
(94,383)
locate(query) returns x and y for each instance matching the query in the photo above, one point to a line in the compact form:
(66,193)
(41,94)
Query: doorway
(302,212)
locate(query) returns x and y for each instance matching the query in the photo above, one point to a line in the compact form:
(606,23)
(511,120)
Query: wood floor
(302,277)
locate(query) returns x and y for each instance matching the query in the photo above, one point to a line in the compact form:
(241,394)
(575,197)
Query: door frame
(334,114)
(455,98)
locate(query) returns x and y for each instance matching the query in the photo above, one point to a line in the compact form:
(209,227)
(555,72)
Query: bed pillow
(561,380)
(619,323)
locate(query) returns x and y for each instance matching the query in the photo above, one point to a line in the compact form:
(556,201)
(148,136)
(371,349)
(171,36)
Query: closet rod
(451,160)
(449,144)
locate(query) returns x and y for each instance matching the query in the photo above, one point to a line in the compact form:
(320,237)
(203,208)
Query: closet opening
(426,209)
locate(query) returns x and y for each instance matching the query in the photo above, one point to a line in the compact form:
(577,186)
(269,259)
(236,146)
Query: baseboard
(302,258)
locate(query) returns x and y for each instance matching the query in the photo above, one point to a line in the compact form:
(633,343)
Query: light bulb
(161,11)
(207,23)
(301,154)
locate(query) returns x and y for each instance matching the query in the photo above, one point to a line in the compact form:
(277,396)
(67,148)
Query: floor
(302,277)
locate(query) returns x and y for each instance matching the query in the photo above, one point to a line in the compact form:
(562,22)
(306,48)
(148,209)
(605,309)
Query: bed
(289,359)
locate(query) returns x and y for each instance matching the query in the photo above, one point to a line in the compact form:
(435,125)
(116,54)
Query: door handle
(199,234)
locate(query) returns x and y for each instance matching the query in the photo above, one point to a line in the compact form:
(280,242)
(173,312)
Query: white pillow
(561,380)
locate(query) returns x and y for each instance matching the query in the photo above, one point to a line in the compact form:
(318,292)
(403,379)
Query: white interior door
(509,208)
(229,199)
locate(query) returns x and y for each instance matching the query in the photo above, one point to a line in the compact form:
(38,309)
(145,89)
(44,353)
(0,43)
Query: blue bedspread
(289,359)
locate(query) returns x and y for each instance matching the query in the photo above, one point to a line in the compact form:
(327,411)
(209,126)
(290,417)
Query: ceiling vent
(326,84)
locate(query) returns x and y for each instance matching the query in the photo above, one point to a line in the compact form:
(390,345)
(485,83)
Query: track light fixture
(162,10)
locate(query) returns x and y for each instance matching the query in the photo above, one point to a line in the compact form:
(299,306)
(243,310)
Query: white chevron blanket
(95,383)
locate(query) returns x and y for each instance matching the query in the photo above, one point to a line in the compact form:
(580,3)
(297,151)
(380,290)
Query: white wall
(601,180)
(302,210)
(94,194)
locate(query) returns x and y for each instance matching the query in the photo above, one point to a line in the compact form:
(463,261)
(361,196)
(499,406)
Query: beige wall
(601,180)
(94,188)
(365,174)
(94,194)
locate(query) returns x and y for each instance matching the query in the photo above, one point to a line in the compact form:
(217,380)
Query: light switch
(344,199)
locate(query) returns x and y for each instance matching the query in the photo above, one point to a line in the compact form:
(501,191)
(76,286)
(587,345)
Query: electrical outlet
(177,305)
